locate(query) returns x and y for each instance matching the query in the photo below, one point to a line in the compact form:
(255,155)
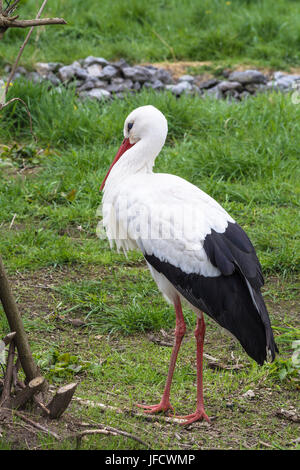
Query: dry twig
(107,430)
(10,22)
(38,426)
(7,21)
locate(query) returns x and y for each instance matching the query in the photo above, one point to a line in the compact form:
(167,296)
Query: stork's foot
(199,415)
(152,409)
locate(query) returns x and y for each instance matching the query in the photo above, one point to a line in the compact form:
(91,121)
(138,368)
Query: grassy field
(261,31)
(94,316)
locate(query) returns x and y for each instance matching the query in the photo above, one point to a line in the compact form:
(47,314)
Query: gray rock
(137,73)
(247,76)
(90,60)
(157,85)
(164,76)
(51,77)
(94,70)
(21,70)
(278,75)
(208,84)
(109,72)
(34,77)
(255,87)
(91,83)
(186,78)
(137,86)
(119,85)
(43,68)
(69,72)
(226,86)
(180,88)
(120,64)
(232,95)
(214,92)
(287,82)
(244,95)
(96,94)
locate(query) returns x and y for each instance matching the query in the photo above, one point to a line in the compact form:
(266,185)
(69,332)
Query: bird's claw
(199,415)
(151,409)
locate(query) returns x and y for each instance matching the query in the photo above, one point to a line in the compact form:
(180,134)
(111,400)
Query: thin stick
(36,425)
(5,397)
(14,23)
(15,322)
(147,417)
(165,43)
(127,434)
(13,70)
(12,221)
(107,430)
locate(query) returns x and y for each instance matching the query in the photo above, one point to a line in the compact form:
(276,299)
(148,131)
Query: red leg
(180,329)
(199,413)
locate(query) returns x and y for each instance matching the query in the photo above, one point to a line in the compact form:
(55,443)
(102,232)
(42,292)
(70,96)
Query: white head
(146,122)
(147,128)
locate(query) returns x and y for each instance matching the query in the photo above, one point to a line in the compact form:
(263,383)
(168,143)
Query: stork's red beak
(124,146)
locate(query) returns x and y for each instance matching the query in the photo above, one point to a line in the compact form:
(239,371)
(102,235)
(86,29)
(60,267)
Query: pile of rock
(96,78)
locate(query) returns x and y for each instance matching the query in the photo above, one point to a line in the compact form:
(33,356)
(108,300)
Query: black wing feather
(232,299)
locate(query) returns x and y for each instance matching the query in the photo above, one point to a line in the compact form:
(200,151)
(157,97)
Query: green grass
(245,155)
(261,31)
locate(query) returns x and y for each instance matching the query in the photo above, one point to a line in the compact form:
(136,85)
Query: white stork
(194,249)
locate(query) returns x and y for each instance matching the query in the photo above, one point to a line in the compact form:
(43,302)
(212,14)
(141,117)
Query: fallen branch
(107,430)
(147,417)
(36,425)
(88,432)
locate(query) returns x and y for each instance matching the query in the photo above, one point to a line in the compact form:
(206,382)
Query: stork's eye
(130,124)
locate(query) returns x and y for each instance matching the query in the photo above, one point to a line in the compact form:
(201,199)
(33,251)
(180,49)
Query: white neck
(138,159)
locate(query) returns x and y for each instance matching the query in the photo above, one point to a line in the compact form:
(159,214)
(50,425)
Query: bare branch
(36,425)
(14,23)
(5,397)
(15,322)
